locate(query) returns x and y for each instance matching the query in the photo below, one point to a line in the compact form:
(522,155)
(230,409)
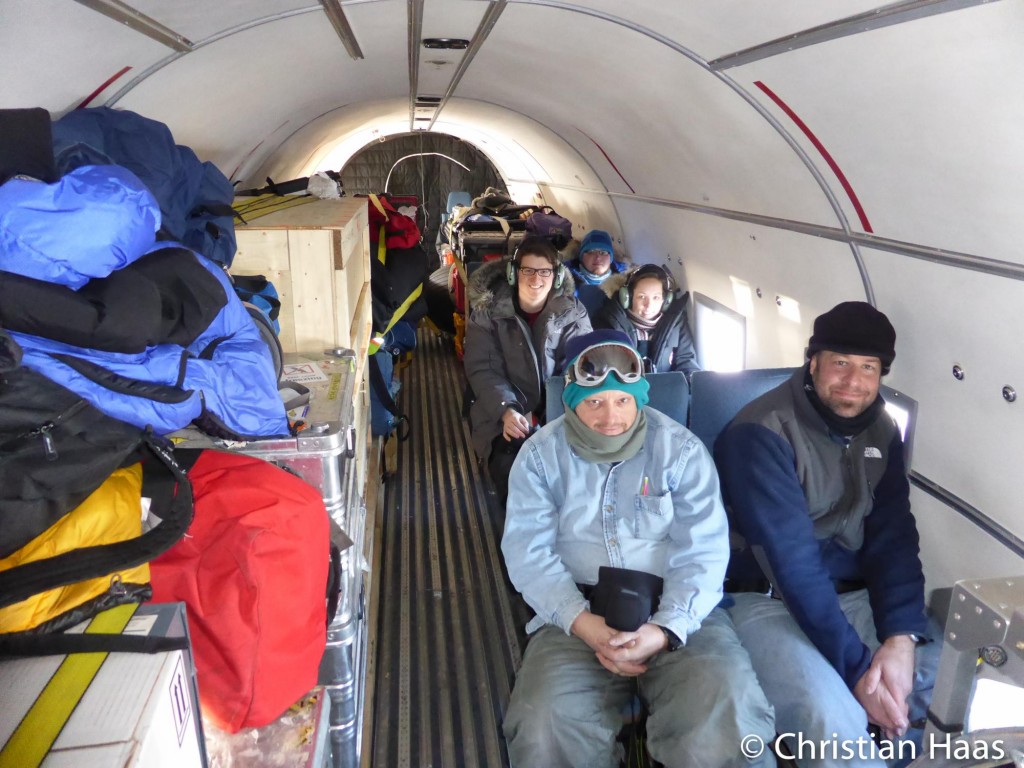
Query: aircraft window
(904,410)
(720,334)
(789,309)
(995,704)
(901,416)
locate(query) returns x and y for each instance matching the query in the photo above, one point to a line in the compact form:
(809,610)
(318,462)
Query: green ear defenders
(647,270)
(512,272)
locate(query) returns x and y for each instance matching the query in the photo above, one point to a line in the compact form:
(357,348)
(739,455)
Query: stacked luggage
(493,225)
(113,341)
(491,228)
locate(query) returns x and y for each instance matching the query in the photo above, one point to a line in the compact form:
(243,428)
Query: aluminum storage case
(323,454)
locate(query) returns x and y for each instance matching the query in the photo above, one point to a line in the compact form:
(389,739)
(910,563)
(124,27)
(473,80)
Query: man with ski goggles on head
(616,536)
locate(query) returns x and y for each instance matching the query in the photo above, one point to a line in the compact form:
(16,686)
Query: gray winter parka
(507,361)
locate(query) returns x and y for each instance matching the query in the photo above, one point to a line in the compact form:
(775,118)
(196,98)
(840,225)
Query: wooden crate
(318,257)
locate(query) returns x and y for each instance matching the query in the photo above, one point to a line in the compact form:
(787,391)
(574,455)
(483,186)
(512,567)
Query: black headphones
(512,272)
(647,270)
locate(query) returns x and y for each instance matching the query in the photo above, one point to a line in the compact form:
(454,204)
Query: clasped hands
(883,689)
(622,653)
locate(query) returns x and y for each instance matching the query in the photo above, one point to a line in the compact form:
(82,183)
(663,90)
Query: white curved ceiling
(267,87)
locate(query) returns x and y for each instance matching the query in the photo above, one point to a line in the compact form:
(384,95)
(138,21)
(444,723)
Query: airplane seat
(670,394)
(716,397)
(458,197)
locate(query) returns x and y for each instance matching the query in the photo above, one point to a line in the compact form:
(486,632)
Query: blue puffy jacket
(98,219)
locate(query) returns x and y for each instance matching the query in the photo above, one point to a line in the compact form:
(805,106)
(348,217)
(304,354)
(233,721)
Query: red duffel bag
(252,571)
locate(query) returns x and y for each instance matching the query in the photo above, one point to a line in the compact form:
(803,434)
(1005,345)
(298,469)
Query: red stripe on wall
(614,167)
(102,88)
(824,153)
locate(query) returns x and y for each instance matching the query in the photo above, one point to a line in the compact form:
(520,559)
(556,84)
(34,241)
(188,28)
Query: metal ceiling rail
(415,33)
(886,16)
(339,21)
(487,23)
(140,22)
(958,259)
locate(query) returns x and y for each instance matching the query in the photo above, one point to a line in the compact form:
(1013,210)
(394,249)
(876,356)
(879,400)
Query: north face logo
(870,452)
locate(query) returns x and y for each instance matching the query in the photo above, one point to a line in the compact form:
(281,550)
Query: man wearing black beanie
(814,479)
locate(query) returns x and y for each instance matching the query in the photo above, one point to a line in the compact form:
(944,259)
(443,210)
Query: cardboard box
(105,710)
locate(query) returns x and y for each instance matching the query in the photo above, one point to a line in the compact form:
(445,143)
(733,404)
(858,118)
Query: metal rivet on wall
(759,293)
(1009,393)
(958,373)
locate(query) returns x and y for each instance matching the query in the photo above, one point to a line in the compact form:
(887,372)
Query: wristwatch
(674,643)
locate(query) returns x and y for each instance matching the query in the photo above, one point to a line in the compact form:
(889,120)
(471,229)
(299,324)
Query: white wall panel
(54,53)
(954,548)
(709,254)
(969,439)
(713,28)
(925,119)
(199,21)
(262,84)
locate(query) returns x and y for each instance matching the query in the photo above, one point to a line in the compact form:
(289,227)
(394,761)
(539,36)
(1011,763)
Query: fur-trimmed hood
(488,287)
(610,287)
(508,360)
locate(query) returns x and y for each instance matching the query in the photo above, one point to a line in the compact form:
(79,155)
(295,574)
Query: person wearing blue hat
(594,263)
(616,536)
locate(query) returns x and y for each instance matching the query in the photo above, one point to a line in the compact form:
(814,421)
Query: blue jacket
(591,295)
(566,517)
(821,508)
(100,219)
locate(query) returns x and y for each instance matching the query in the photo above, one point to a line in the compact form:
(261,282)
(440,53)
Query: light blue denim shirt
(566,517)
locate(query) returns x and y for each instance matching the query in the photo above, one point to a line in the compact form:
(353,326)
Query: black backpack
(55,450)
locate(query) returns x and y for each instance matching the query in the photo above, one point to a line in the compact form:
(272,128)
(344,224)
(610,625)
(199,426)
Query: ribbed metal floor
(450,630)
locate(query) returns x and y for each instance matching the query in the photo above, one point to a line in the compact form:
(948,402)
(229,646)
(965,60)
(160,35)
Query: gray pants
(566,709)
(811,700)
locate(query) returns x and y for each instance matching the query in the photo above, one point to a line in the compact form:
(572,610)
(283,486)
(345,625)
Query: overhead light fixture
(446,43)
(340,23)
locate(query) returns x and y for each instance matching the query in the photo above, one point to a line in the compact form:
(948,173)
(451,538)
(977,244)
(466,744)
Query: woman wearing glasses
(523,313)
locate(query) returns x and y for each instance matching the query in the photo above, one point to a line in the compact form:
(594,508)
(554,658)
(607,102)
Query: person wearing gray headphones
(524,313)
(649,308)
